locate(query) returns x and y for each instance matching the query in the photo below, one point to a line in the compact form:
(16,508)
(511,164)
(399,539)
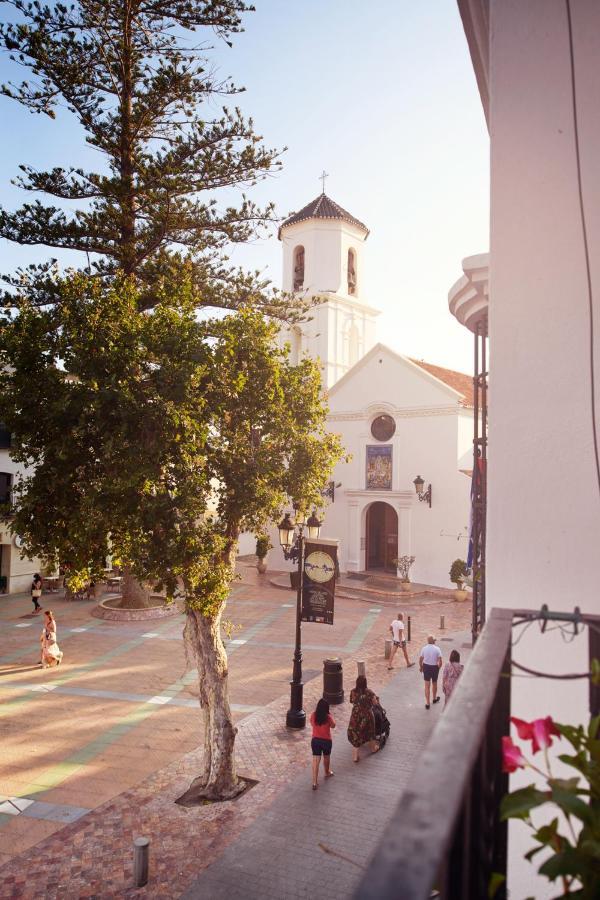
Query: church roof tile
(456,380)
(322,207)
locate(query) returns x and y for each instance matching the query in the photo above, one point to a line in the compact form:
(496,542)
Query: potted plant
(458,575)
(263,545)
(403,564)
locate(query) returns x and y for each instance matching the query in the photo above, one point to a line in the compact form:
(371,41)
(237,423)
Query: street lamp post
(293,540)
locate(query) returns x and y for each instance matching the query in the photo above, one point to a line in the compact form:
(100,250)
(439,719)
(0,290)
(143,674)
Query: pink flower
(539,732)
(512,758)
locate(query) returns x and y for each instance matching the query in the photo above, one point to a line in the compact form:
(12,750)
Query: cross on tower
(322,177)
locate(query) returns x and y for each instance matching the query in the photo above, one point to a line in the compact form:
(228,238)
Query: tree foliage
(157,428)
(166,436)
(138,77)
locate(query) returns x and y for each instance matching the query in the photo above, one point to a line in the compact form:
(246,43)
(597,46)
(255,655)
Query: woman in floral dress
(51,652)
(452,672)
(361,728)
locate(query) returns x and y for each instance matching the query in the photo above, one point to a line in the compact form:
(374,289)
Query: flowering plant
(574,857)
(403,564)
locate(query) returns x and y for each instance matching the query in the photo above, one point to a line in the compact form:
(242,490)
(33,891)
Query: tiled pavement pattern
(317,844)
(98,770)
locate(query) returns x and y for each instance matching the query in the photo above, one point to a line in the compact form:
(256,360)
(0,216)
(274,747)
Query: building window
(351,272)
(383,428)
(5,488)
(4,437)
(298,268)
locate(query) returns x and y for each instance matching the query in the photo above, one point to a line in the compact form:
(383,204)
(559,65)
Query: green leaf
(578,761)
(547,833)
(519,804)
(496,880)
(565,784)
(564,863)
(574,735)
(531,853)
(569,802)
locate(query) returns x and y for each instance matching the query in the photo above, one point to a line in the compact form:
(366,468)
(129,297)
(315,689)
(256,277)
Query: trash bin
(333,681)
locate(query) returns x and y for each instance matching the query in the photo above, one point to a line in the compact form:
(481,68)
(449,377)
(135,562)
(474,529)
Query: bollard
(361,668)
(442,620)
(388,648)
(408,636)
(333,681)
(141,854)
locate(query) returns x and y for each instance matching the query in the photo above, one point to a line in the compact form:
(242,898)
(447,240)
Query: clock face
(319,566)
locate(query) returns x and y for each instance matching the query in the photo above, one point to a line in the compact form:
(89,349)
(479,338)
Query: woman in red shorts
(322,722)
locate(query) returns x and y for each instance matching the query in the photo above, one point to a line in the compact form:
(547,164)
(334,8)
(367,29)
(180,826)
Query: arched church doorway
(381,537)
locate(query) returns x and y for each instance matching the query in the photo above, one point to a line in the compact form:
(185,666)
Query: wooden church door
(382,537)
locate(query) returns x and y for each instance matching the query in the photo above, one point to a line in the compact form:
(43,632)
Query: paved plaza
(317,845)
(96,751)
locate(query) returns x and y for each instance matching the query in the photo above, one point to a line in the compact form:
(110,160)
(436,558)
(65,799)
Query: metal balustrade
(446,838)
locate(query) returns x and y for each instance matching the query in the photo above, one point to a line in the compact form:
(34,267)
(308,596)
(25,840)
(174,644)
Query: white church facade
(398,418)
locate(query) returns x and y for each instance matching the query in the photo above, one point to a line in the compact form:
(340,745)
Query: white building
(15,572)
(537,68)
(398,418)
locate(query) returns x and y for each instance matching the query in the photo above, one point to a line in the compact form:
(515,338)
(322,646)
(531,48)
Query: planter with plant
(263,545)
(571,838)
(403,564)
(458,576)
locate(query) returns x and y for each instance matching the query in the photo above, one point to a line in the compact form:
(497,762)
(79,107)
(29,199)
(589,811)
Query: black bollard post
(141,854)
(333,681)
(408,630)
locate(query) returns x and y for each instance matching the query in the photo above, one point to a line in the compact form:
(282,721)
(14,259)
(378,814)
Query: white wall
(543,534)
(428,441)
(19,571)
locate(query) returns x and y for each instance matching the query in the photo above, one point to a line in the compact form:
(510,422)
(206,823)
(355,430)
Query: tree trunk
(218,780)
(133,593)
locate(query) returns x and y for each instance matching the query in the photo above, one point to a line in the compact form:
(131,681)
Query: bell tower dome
(323,256)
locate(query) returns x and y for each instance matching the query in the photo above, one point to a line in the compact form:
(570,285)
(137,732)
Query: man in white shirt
(430,663)
(398,640)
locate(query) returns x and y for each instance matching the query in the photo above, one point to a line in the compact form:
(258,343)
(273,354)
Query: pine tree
(138,77)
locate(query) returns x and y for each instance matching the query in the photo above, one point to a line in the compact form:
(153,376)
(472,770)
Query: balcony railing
(446,838)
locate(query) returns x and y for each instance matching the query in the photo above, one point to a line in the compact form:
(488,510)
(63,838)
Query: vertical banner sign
(318,582)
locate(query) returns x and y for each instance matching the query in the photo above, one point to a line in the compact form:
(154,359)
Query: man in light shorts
(430,663)
(398,640)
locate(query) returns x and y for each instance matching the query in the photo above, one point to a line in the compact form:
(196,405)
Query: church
(402,420)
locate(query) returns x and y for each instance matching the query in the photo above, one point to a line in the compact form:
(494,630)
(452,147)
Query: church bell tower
(323,255)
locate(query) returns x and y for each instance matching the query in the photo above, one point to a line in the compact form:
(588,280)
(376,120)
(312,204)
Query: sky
(381,95)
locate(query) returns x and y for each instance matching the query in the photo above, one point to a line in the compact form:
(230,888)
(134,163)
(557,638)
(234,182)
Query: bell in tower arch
(298,268)
(351,272)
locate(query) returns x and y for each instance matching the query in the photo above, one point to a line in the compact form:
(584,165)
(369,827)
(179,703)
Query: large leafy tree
(137,76)
(170,434)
